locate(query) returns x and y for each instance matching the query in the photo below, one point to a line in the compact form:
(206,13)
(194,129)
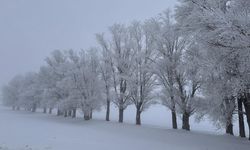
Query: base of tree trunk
(65,113)
(185,122)
(74,113)
(229,129)
(86,117)
(121,115)
(108,110)
(34,106)
(241,118)
(247,108)
(44,110)
(50,110)
(87,114)
(70,113)
(174,120)
(138,117)
(59,112)
(249,134)
(91,114)
(33,109)
(248,122)
(249,128)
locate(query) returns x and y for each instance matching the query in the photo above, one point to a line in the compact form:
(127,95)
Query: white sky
(31,29)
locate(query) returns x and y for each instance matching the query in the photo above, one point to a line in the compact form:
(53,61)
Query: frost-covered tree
(142,80)
(121,60)
(222,27)
(31,92)
(170,46)
(106,70)
(83,80)
(121,66)
(48,82)
(76,82)
(57,66)
(188,82)
(11,92)
(220,103)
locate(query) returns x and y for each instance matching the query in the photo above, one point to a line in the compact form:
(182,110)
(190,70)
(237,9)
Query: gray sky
(31,29)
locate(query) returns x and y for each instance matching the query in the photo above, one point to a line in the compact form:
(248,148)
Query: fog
(157,84)
(30,30)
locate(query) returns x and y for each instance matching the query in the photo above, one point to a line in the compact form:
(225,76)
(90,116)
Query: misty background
(30,30)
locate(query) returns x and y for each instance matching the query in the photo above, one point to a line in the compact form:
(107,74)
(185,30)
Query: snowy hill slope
(36,131)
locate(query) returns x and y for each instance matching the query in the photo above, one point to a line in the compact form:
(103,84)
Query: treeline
(195,62)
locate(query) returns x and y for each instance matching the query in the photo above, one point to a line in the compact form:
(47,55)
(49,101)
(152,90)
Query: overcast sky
(31,29)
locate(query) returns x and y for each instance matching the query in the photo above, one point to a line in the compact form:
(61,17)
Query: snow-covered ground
(36,131)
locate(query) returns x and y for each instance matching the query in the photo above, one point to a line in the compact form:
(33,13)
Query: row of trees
(196,62)
(221,30)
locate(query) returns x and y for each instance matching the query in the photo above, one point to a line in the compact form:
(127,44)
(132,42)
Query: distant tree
(106,70)
(57,64)
(32,91)
(11,92)
(84,81)
(48,82)
(121,61)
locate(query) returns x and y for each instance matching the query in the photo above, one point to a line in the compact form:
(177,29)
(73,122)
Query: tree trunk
(50,110)
(241,118)
(138,116)
(185,121)
(247,108)
(18,108)
(121,110)
(91,114)
(45,110)
(13,107)
(34,108)
(229,115)
(74,113)
(174,120)
(87,115)
(108,110)
(229,129)
(229,126)
(70,113)
(59,113)
(248,119)
(65,113)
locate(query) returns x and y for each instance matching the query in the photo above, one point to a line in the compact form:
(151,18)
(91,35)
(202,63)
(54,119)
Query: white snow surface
(20,130)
